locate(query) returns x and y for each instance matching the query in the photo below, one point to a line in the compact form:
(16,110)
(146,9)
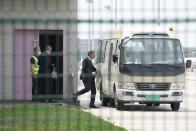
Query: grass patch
(46,117)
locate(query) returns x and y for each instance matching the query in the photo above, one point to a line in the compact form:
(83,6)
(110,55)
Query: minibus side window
(117,43)
(98,60)
(103,49)
(107,52)
(111,51)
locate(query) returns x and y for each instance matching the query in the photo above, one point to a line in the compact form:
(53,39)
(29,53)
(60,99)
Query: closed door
(24,43)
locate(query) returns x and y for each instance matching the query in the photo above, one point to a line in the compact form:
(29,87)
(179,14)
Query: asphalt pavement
(137,117)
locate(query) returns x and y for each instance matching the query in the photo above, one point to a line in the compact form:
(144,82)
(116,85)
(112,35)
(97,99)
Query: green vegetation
(47,117)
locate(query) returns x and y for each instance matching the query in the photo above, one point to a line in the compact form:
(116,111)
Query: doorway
(54,38)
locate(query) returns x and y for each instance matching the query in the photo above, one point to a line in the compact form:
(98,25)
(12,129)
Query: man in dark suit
(88,74)
(45,74)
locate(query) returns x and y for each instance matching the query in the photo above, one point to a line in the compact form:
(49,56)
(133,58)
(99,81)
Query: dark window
(102,54)
(117,43)
(108,48)
(107,51)
(99,51)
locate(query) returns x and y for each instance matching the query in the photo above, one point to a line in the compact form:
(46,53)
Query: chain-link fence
(143,74)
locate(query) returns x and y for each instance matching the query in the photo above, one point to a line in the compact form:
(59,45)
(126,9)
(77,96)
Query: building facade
(28,23)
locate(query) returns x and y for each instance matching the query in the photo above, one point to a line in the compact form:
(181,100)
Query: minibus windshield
(151,51)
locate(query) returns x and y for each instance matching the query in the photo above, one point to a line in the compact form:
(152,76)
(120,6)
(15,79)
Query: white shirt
(93,63)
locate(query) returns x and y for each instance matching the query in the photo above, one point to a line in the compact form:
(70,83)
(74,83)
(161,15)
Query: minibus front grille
(152,86)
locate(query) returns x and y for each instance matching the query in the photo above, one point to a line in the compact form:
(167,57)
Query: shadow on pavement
(145,108)
(162,108)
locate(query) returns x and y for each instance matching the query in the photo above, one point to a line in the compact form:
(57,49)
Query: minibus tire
(175,106)
(149,104)
(101,92)
(157,104)
(111,102)
(119,105)
(104,100)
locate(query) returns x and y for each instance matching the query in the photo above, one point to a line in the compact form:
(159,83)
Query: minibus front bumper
(169,96)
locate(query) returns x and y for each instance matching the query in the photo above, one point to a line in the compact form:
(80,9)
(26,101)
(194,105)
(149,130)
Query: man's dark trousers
(34,88)
(89,85)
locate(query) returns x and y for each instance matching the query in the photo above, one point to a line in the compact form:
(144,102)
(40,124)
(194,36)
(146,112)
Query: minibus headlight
(177,86)
(129,86)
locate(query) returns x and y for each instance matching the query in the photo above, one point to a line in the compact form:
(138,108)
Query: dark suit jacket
(87,69)
(45,64)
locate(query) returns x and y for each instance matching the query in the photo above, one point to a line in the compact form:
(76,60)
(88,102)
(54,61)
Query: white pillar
(70,38)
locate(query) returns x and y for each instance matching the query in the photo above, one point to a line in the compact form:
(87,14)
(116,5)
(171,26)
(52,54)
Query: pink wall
(0,74)
(23,50)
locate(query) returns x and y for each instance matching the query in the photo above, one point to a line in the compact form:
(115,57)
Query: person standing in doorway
(34,71)
(88,74)
(46,67)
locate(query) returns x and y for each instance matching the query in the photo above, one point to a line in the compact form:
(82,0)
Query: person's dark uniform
(34,61)
(88,79)
(45,76)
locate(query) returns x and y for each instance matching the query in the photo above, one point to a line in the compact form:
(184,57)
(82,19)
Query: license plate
(152,97)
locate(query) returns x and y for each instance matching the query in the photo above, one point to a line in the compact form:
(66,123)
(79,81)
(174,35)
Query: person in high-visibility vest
(34,71)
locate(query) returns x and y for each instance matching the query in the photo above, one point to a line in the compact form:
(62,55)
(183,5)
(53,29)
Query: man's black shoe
(93,106)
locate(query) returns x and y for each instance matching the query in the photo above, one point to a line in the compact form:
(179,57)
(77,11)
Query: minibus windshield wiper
(147,66)
(169,65)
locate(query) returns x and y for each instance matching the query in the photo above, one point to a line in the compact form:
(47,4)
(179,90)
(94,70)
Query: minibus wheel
(104,99)
(175,106)
(119,105)
(149,104)
(111,102)
(156,104)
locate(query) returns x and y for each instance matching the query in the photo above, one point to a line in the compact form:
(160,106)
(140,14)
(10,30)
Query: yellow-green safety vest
(36,66)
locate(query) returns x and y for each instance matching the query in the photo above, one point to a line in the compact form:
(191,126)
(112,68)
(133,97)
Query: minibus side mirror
(115,58)
(188,63)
